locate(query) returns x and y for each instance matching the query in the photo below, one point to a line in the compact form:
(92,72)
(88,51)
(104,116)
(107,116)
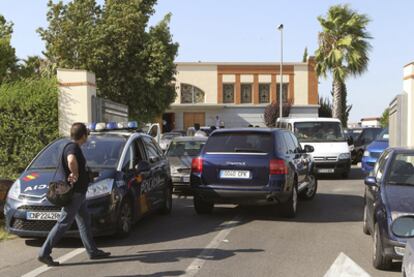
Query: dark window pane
(264,93)
(240,142)
(285,92)
(228,93)
(246,93)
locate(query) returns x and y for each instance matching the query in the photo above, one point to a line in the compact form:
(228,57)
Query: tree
(8,60)
(325,107)
(271,113)
(305,55)
(385,118)
(134,64)
(343,51)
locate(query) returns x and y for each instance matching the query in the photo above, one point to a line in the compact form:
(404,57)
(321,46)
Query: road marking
(64,258)
(344,266)
(208,251)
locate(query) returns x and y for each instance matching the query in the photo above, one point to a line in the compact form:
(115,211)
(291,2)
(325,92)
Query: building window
(228,93)
(246,93)
(264,93)
(285,92)
(191,94)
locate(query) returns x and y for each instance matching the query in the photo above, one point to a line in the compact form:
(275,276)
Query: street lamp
(280,28)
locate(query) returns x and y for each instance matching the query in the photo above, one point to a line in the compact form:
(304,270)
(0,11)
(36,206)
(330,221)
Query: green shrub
(28,122)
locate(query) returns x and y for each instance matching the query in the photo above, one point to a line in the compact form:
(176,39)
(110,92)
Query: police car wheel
(201,206)
(125,219)
(167,206)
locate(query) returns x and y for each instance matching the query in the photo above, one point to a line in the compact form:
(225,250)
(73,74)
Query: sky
(245,31)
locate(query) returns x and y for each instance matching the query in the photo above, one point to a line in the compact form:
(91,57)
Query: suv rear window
(239,142)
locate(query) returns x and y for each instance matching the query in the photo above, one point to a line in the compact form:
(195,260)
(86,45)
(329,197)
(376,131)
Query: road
(233,241)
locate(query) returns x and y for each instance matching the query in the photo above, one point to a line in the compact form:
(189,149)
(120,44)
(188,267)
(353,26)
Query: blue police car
(253,166)
(131,178)
(373,151)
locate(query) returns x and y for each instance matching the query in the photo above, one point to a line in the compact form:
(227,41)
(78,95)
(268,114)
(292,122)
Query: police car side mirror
(142,166)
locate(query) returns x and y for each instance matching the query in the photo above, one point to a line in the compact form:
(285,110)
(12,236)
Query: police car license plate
(326,170)
(42,215)
(234,174)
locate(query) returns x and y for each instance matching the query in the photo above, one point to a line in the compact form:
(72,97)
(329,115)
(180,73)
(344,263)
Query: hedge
(28,122)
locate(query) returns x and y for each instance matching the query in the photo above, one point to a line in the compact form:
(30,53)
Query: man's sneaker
(99,254)
(47,260)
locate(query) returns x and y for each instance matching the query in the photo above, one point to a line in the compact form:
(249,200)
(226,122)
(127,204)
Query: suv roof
(308,119)
(251,129)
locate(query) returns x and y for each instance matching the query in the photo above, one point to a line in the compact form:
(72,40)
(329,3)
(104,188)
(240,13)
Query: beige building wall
(201,76)
(76,89)
(408,87)
(301,84)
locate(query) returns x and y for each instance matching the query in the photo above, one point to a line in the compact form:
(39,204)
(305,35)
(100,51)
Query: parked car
(253,166)
(132,180)
(389,193)
(180,154)
(367,136)
(403,227)
(166,139)
(374,150)
(331,155)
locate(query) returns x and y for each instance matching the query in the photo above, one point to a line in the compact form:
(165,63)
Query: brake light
(197,165)
(278,167)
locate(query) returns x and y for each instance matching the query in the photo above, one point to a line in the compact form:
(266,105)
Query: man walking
(73,164)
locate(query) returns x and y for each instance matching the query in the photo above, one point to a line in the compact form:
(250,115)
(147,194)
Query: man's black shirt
(72,148)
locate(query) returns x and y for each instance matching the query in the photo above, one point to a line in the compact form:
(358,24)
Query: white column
(76,89)
(408,87)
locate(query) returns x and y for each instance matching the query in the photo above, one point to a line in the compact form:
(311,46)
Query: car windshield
(384,135)
(318,131)
(258,142)
(99,151)
(185,148)
(402,170)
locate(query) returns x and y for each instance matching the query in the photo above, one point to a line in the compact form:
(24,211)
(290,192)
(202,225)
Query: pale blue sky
(235,30)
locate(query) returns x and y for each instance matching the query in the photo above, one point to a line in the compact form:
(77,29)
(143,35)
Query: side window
(281,144)
(290,127)
(298,148)
(289,143)
(152,151)
(380,166)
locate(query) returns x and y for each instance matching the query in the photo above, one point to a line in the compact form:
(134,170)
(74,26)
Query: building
(235,94)
(371,122)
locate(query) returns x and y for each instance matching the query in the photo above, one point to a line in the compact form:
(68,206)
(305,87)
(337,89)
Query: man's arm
(74,169)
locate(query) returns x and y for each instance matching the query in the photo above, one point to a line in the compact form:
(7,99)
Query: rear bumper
(335,167)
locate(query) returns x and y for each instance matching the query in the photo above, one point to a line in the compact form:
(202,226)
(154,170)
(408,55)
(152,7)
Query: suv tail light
(278,167)
(197,165)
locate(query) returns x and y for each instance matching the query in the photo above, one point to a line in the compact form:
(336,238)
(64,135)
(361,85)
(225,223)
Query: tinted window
(254,142)
(380,165)
(370,134)
(152,151)
(99,151)
(296,143)
(281,144)
(402,170)
(289,143)
(185,148)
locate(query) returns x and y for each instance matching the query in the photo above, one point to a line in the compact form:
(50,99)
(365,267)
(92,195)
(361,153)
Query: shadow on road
(157,274)
(169,256)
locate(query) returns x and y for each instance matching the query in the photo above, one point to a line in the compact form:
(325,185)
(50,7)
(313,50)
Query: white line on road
(64,258)
(344,266)
(208,251)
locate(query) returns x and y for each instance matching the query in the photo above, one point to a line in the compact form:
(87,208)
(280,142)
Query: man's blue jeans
(76,210)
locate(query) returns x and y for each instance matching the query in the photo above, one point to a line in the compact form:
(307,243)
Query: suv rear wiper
(250,150)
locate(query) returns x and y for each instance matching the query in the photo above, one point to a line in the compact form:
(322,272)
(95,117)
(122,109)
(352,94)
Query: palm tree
(343,51)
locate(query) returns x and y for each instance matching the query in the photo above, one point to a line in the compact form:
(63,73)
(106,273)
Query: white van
(331,155)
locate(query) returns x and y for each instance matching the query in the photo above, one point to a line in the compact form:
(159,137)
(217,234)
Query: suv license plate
(235,174)
(326,170)
(42,215)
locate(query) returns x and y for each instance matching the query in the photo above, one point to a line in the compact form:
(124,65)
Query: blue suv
(253,166)
(373,151)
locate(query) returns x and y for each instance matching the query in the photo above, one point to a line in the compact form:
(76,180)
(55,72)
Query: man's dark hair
(78,130)
(197,126)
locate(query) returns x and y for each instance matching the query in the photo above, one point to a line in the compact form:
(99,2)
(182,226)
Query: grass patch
(3,233)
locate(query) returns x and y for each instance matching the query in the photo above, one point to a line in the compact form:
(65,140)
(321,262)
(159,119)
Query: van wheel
(310,192)
(379,260)
(201,206)
(167,205)
(288,209)
(124,225)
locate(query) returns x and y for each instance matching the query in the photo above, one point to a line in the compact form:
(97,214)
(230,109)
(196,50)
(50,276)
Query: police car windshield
(99,151)
(318,131)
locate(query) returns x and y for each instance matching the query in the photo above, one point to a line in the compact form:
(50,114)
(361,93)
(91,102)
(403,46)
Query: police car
(131,178)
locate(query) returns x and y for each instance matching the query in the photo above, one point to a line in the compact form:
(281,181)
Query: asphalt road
(233,241)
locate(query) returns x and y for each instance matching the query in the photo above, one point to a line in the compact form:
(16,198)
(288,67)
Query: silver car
(180,154)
